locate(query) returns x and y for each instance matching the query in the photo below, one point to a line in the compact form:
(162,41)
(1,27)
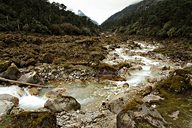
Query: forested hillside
(40,16)
(162,18)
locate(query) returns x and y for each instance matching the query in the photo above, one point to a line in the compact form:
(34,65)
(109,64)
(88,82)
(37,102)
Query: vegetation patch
(177,82)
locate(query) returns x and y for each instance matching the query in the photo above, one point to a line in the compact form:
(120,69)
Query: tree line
(41,16)
(165,18)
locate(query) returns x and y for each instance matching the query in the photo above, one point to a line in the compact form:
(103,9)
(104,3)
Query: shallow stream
(91,95)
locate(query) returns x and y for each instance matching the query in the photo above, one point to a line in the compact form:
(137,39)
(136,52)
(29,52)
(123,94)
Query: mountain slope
(163,18)
(42,17)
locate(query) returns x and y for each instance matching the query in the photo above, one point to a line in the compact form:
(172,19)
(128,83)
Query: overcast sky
(98,10)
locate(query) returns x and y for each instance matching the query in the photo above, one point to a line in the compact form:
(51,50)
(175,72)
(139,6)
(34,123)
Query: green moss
(29,120)
(177,82)
(174,102)
(144,125)
(5,122)
(131,105)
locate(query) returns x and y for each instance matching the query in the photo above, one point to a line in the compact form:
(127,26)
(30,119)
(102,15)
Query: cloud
(98,10)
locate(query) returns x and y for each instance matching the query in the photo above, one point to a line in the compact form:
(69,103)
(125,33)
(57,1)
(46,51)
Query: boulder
(57,92)
(5,107)
(31,77)
(140,117)
(34,91)
(63,103)
(126,85)
(12,72)
(4,65)
(10,98)
(151,98)
(125,120)
(166,68)
(150,115)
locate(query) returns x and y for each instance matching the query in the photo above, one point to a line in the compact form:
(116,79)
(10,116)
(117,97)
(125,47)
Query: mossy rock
(12,72)
(4,65)
(177,82)
(29,120)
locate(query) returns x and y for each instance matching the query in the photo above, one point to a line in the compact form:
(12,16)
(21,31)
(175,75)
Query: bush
(68,28)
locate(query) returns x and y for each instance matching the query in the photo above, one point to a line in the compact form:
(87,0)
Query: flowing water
(26,100)
(91,95)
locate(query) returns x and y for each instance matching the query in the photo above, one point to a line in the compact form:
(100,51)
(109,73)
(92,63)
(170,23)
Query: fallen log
(23,83)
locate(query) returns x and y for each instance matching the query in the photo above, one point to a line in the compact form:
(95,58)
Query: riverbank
(105,74)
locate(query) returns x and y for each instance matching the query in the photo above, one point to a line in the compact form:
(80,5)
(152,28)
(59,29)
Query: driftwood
(23,83)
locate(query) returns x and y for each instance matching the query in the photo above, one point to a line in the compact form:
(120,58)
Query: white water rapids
(92,94)
(26,100)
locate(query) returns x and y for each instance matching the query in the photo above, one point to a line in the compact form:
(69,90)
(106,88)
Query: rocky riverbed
(117,90)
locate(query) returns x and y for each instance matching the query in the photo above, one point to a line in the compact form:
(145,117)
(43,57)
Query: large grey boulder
(10,98)
(63,103)
(5,107)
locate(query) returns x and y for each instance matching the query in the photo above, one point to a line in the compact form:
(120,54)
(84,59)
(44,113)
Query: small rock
(57,92)
(166,68)
(151,98)
(175,115)
(126,85)
(34,91)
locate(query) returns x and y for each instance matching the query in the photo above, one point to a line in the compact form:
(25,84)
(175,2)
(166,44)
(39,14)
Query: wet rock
(4,65)
(31,77)
(57,92)
(125,120)
(5,107)
(10,98)
(12,72)
(126,85)
(188,65)
(166,68)
(34,91)
(151,98)
(63,103)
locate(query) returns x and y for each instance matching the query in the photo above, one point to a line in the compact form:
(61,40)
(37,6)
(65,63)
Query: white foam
(26,101)
(12,90)
(30,102)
